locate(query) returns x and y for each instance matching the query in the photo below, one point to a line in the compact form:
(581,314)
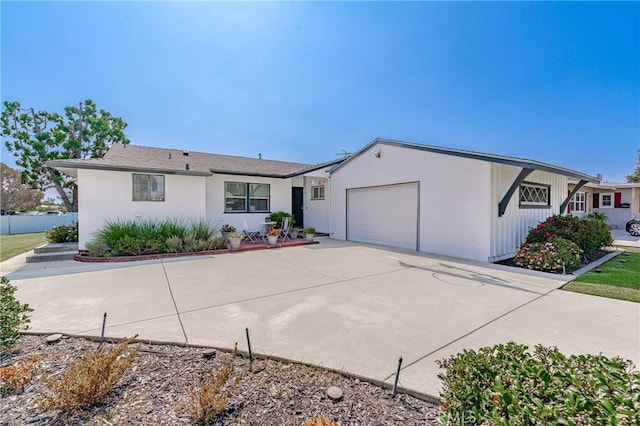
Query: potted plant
(226,230)
(293,233)
(235,238)
(272,236)
(278,218)
(309,233)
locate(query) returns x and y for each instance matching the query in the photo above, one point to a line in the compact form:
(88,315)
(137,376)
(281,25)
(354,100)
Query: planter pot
(309,237)
(235,242)
(272,239)
(293,234)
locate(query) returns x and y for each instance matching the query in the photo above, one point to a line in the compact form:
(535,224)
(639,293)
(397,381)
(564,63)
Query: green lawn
(13,245)
(619,279)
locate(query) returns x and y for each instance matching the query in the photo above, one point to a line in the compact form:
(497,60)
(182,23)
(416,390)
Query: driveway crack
(173,299)
(469,333)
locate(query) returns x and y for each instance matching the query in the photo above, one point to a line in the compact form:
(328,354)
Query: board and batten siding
(108,195)
(509,231)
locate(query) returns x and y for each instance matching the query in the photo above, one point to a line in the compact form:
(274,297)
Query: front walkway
(622,238)
(350,307)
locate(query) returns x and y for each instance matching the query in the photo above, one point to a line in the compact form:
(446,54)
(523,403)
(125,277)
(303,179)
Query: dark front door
(297,200)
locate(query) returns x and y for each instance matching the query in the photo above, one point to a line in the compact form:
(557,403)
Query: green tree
(36,137)
(635,176)
(15,195)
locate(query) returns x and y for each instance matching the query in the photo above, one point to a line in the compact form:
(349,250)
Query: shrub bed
(507,384)
(134,238)
(590,233)
(555,254)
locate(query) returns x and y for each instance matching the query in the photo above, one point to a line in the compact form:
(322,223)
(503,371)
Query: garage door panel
(385,215)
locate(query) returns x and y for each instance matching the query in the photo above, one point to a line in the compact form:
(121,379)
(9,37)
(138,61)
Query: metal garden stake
(395,382)
(104,322)
(249,346)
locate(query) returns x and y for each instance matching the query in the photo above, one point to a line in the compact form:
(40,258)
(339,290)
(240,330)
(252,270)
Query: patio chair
(284,232)
(250,234)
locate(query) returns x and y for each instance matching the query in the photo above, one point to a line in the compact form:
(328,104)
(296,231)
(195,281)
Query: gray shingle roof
(174,161)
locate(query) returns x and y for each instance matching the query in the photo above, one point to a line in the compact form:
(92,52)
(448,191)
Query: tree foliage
(36,137)
(15,195)
(635,176)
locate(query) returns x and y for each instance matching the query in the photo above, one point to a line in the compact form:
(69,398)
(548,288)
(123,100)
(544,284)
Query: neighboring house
(133,181)
(438,200)
(620,202)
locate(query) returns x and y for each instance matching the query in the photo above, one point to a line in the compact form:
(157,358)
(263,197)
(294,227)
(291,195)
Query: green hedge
(63,234)
(509,385)
(590,234)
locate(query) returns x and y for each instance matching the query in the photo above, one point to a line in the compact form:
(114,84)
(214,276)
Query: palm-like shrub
(135,237)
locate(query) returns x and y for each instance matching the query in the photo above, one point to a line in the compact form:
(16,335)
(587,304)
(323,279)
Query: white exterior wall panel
(455,193)
(108,195)
(316,212)
(279,200)
(510,230)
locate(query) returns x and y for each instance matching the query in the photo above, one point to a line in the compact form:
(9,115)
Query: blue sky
(554,82)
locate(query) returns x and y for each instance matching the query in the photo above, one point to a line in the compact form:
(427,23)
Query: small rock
(597,270)
(209,353)
(334,393)
(623,261)
(52,338)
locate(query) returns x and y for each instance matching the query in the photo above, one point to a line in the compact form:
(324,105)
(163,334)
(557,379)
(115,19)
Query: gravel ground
(155,390)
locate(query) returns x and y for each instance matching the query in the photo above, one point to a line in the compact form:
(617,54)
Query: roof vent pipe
(259,156)
(186,154)
(186,166)
(169,156)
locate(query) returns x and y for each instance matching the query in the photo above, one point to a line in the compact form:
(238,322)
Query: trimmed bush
(63,234)
(551,255)
(14,316)
(590,234)
(508,385)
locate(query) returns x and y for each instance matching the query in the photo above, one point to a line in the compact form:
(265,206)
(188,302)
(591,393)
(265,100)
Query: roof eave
(517,162)
(69,166)
(317,167)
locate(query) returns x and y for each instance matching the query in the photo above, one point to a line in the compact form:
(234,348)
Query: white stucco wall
(106,195)
(280,200)
(510,230)
(455,194)
(316,212)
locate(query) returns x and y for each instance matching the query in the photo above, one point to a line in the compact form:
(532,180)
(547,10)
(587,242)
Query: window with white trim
(245,197)
(148,187)
(577,202)
(606,201)
(317,192)
(534,195)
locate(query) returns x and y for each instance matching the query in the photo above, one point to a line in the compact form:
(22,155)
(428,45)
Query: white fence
(27,224)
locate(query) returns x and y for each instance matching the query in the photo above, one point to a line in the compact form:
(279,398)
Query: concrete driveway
(350,307)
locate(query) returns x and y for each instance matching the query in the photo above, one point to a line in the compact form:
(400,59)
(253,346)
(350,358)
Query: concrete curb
(596,263)
(420,395)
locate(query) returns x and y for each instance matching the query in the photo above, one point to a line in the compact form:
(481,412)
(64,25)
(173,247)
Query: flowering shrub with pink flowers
(551,255)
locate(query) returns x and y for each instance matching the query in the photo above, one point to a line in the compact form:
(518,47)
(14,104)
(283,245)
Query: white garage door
(385,215)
